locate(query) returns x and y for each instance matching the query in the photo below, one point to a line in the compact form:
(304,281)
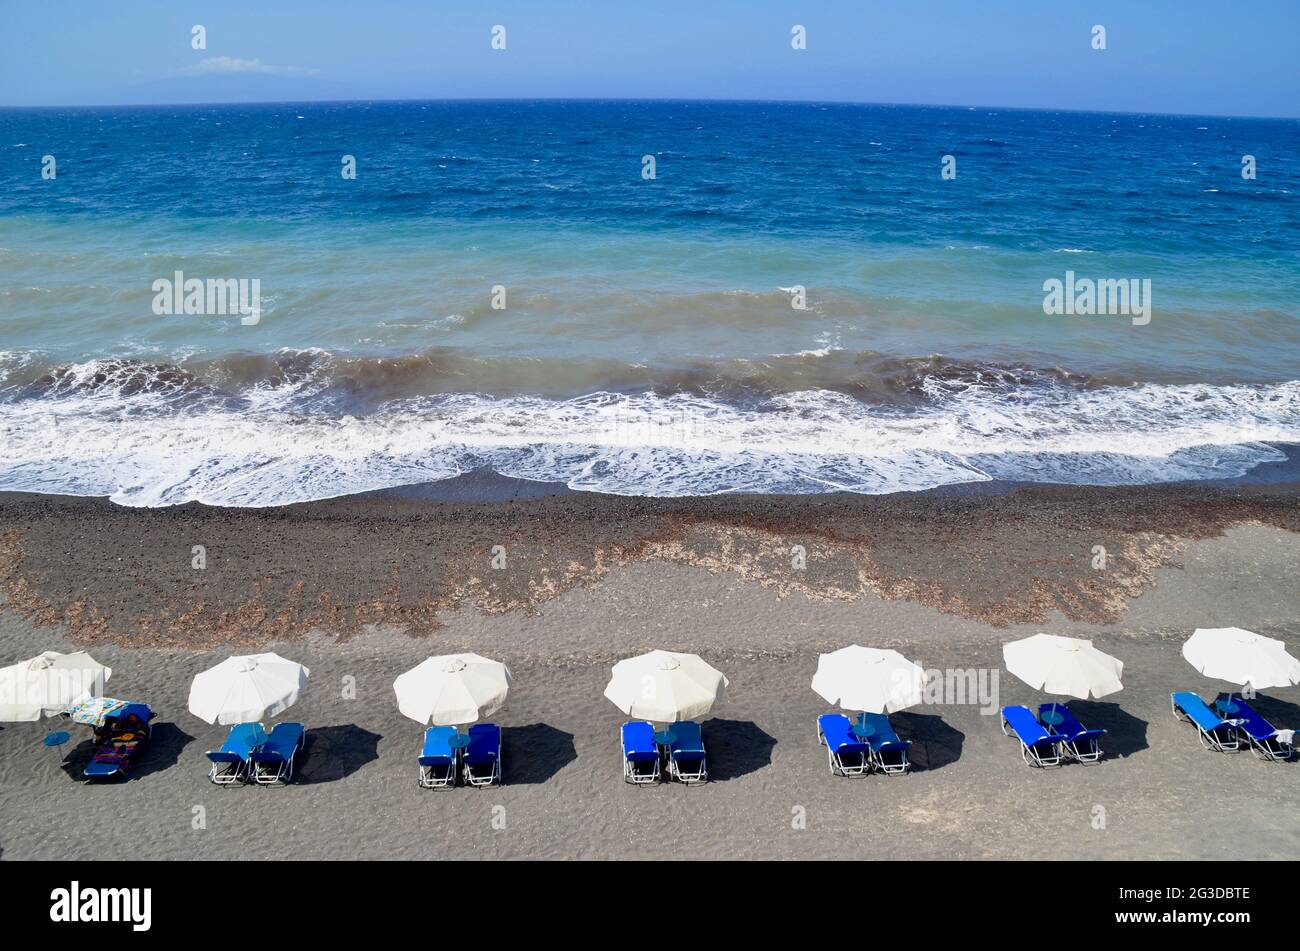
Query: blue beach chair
(437,758)
(1037,746)
(120,742)
(888,752)
(273,762)
(231,763)
(686,760)
(1080,742)
(847,755)
(1263,738)
(1214,732)
(640,754)
(482,758)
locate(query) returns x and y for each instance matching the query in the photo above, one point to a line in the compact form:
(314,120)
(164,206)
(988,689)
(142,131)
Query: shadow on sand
(735,748)
(332,752)
(1125,733)
(533,754)
(935,744)
(77,758)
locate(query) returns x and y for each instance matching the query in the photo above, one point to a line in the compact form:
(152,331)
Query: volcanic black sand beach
(362,588)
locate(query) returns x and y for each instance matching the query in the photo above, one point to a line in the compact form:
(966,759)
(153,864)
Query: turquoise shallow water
(648,342)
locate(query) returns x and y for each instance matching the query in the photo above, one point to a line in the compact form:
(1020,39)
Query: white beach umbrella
(452,689)
(247,688)
(869,680)
(48,684)
(664,687)
(1063,666)
(1241,657)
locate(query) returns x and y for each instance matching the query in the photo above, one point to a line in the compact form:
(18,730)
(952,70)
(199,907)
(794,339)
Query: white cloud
(227,65)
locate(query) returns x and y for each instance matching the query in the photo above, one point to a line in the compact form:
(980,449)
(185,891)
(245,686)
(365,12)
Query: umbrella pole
(1056,703)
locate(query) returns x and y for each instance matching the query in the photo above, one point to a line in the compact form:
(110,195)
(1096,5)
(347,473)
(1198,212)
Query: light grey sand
(971,797)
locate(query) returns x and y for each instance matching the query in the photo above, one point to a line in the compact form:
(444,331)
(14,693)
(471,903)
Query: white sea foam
(143,450)
(819,352)
(11,360)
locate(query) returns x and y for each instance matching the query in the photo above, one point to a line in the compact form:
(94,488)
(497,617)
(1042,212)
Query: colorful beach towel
(93,710)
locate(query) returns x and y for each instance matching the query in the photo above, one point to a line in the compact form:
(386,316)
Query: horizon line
(646,99)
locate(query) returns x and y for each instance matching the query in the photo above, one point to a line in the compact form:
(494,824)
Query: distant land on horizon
(248,91)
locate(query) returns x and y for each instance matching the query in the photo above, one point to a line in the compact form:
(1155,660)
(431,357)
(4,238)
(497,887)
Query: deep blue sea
(646,336)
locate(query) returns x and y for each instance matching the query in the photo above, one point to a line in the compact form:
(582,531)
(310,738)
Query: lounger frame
(228,772)
(1031,752)
(433,776)
(1090,754)
(1084,756)
(1270,748)
(637,778)
(1288,749)
(888,756)
(236,769)
(688,778)
(1210,738)
(891,767)
(494,776)
(630,772)
(430,779)
(837,764)
(282,772)
(700,775)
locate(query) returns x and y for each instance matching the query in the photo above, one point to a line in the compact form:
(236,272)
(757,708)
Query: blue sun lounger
(437,758)
(120,742)
(273,762)
(482,758)
(1214,732)
(1080,742)
(640,754)
(1263,738)
(1037,746)
(847,755)
(233,762)
(686,759)
(888,752)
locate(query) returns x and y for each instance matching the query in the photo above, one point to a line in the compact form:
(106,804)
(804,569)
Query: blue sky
(1162,56)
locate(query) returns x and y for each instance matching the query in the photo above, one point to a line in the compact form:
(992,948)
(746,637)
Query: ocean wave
(90,436)
(321,380)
